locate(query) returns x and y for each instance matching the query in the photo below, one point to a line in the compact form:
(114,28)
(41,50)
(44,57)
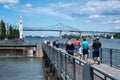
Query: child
(80,52)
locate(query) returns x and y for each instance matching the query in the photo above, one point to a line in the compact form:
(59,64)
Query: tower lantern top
(20,17)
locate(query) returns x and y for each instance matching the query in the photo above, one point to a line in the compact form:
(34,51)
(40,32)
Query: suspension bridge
(60,27)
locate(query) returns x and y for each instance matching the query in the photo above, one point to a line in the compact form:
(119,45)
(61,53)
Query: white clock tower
(20,27)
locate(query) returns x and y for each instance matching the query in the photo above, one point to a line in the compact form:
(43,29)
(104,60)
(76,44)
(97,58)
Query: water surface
(21,69)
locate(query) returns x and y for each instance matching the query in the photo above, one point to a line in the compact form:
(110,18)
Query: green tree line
(117,35)
(8,31)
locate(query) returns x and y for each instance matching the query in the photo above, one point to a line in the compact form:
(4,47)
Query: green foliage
(117,35)
(2,30)
(10,33)
(71,35)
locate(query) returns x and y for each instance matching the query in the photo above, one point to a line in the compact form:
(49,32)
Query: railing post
(101,54)
(91,73)
(65,66)
(86,71)
(111,57)
(59,64)
(74,69)
(61,61)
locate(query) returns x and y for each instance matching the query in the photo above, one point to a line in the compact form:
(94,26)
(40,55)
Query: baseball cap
(97,38)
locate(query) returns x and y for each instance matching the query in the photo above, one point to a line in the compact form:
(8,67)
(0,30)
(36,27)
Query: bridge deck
(113,71)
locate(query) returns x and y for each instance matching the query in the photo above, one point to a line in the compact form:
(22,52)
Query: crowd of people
(53,43)
(82,49)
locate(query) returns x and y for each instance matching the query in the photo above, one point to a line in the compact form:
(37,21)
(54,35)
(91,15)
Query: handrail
(78,67)
(107,55)
(106,74)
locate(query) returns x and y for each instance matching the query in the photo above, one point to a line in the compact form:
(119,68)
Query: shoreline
(12,41)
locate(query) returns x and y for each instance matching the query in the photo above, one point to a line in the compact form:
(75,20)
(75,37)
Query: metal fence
(75,69)
(110,57)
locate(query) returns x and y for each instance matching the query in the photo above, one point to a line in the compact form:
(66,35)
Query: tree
(10,32)
(2,30)
(117,35)
(16,33)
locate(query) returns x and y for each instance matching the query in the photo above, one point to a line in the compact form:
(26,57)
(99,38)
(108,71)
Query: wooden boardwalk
(112,71)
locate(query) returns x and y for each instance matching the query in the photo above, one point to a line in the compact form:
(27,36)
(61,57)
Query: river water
(21,69)
(32,68)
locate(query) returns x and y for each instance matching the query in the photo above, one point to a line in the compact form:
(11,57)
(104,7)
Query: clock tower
(20,27)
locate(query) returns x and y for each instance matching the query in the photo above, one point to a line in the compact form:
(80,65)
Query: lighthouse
(20,28)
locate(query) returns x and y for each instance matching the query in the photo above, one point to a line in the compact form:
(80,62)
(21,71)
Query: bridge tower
(20,27)
(60,35)
(92,35)
(81,35)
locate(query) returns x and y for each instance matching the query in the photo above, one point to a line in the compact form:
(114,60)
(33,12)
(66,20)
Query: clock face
(20,22)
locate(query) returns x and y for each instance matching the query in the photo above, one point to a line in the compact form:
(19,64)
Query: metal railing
(108,56)
(75,69)
(99,74)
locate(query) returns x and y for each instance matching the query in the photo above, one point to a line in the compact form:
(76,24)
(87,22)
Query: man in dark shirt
(96,45)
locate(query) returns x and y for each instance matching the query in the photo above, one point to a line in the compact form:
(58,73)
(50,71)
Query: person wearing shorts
(96,45)
(85,47)
(76,46)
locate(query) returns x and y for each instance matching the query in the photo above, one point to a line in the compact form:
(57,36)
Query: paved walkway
(110,70)
(113,71)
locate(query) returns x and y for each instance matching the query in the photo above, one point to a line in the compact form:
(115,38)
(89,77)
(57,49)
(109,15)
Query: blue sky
(88,15)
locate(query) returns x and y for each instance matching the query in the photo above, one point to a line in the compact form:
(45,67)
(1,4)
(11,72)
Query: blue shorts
(96,54)
(85,51)
(77,48)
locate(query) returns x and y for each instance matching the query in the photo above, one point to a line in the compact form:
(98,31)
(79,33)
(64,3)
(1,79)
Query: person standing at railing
(77,46)
(55,44)
(96,45)
(85,47)
(70,47)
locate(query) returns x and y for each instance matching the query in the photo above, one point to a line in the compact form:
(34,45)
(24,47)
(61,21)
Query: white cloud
(6,6)
(24,11)
(9,1)
(113,21)
(28,5)
(96,17)
(93,9)
(51,11)
(104,7)
(63,5)
(116,28)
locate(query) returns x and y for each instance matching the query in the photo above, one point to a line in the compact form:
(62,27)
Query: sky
(86,15)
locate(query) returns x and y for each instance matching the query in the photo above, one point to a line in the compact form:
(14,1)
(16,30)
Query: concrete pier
(39,51)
